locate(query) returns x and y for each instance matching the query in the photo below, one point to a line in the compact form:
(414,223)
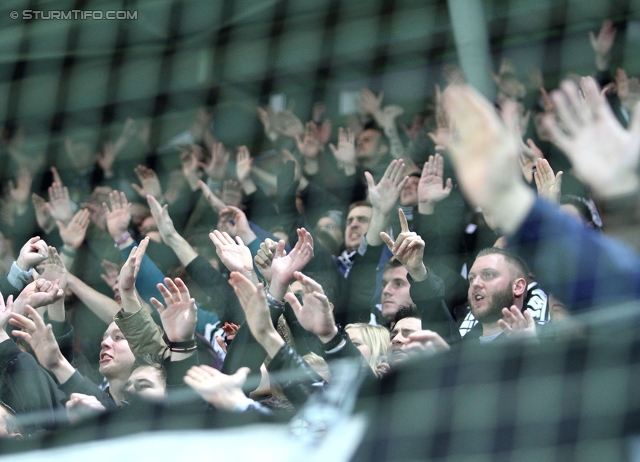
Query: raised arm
(485,155)
(179,316)
(26,385)
(73,234)
(41,339)
(284,266)
(37,294)
(254,303)
(244,164)
(383,197)
(235,255)
(604,154)
(185,253)
(128,274)
(385,118)
(316,313)
(408,249)
(54,270)
(432,188)
(602,44)
(102,306)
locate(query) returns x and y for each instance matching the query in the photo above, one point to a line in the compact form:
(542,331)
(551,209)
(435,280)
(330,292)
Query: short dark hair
(407,311)
(392,264)
(149,360)
(359,204)
(517,264)
(372,125)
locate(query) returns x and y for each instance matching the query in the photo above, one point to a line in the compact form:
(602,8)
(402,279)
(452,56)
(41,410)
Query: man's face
(395,291)
(116,292)
(409,194)
(357,226)
(368,144)
(397,352)
(491,288)
(116,358)
(146,382)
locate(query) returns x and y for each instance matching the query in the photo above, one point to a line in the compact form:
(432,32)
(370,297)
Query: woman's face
(356,338)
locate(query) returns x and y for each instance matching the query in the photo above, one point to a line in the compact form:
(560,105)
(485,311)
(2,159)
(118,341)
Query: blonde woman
(372,341)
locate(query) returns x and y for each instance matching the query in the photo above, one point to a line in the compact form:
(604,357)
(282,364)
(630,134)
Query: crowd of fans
(481,222)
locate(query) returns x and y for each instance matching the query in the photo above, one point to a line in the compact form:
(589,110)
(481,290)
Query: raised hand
(426,341)
(119,216)
(43,213)
(548,184)
(266,117)
(254,304)
(316,313)
(288,124)
(384,195)
(190,168)
(59,203)
(485,154)
(408,249)
(442,135)
(130,269)
(518,324)
(603,153)
(107,158)
(346,150)
(369,102)
(161,216)
(223,391)
(73,234)
(417,125)
(32,253)
(264,257)
(20,190)
(243,164)
(432,188)
(149,181)
(628,90)
(180,315)
(54,269)
(80,407)
(234,255)
(603,43)
(200,123)
(110,272)
(387,116)
(37,294)
(284,266)
(234,221)
(231,193)
(216,166)
(40,337)
(216,204)
(5,315)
